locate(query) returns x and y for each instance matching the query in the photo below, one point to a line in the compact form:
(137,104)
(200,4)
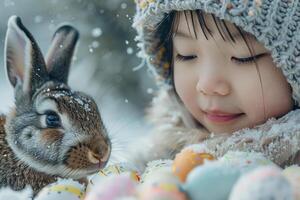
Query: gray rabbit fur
(52,131)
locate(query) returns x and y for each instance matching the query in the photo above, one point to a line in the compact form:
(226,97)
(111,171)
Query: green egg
(212,181)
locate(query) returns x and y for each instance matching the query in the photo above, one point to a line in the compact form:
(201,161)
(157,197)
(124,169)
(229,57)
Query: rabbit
(52,131)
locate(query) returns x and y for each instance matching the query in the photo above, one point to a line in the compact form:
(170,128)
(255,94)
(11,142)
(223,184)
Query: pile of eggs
(192,175)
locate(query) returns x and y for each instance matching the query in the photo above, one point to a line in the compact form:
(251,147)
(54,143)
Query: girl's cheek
(181,81)
(278,106)
(249,99)
(186,88)
(277,92)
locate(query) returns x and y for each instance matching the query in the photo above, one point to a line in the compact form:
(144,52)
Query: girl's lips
(221,117)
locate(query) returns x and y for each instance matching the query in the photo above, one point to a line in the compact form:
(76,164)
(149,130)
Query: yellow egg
(187,160)
(63,189)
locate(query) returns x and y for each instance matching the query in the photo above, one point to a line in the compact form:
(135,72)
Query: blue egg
(212,181)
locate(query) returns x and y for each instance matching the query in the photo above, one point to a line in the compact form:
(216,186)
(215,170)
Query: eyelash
(184,58)
(234,59)
(247,59)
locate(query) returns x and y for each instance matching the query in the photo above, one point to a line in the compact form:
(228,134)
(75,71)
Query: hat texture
(274,23)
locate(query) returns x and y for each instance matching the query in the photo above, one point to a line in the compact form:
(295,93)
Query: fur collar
(277,139)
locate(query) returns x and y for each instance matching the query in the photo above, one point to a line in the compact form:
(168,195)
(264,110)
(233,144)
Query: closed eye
(247,60)
(184,58)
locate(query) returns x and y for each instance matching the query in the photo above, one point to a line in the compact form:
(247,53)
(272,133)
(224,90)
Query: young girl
(229,75)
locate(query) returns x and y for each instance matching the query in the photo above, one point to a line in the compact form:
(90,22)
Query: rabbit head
(52,128)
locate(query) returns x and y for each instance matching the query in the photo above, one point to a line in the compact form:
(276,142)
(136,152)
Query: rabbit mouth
(83,161)
(96,167)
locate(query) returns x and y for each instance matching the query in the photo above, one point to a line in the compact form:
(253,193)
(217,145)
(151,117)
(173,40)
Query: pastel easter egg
(161,191)
(110,170)
(159,171)
(161,176)
(187,160)
(266,182)
(214,180)
(63,189)
(292,173)
(112,187)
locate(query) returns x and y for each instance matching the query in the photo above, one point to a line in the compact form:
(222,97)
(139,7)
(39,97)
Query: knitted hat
(275,23)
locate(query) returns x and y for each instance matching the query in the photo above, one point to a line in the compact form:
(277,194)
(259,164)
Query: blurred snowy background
(104,61)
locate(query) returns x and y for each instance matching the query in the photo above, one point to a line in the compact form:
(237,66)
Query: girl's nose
(213,84)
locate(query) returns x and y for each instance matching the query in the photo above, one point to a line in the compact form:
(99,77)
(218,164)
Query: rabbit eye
(52,120)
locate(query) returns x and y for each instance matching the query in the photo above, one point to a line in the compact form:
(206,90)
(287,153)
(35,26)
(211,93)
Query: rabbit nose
(100,154)
(96,158)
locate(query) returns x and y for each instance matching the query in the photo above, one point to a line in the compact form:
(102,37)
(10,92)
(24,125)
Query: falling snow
(149,90)
(87,108)
(95,44)
(129,50)
(38,19)
(123,5)
(96,32)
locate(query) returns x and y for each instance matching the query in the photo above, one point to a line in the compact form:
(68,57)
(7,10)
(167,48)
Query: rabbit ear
(59,57)
(23,59)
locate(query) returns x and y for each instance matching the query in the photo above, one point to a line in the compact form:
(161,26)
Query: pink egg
(113,187)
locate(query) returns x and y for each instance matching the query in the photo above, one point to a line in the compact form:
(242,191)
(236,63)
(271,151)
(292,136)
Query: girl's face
(223,85)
